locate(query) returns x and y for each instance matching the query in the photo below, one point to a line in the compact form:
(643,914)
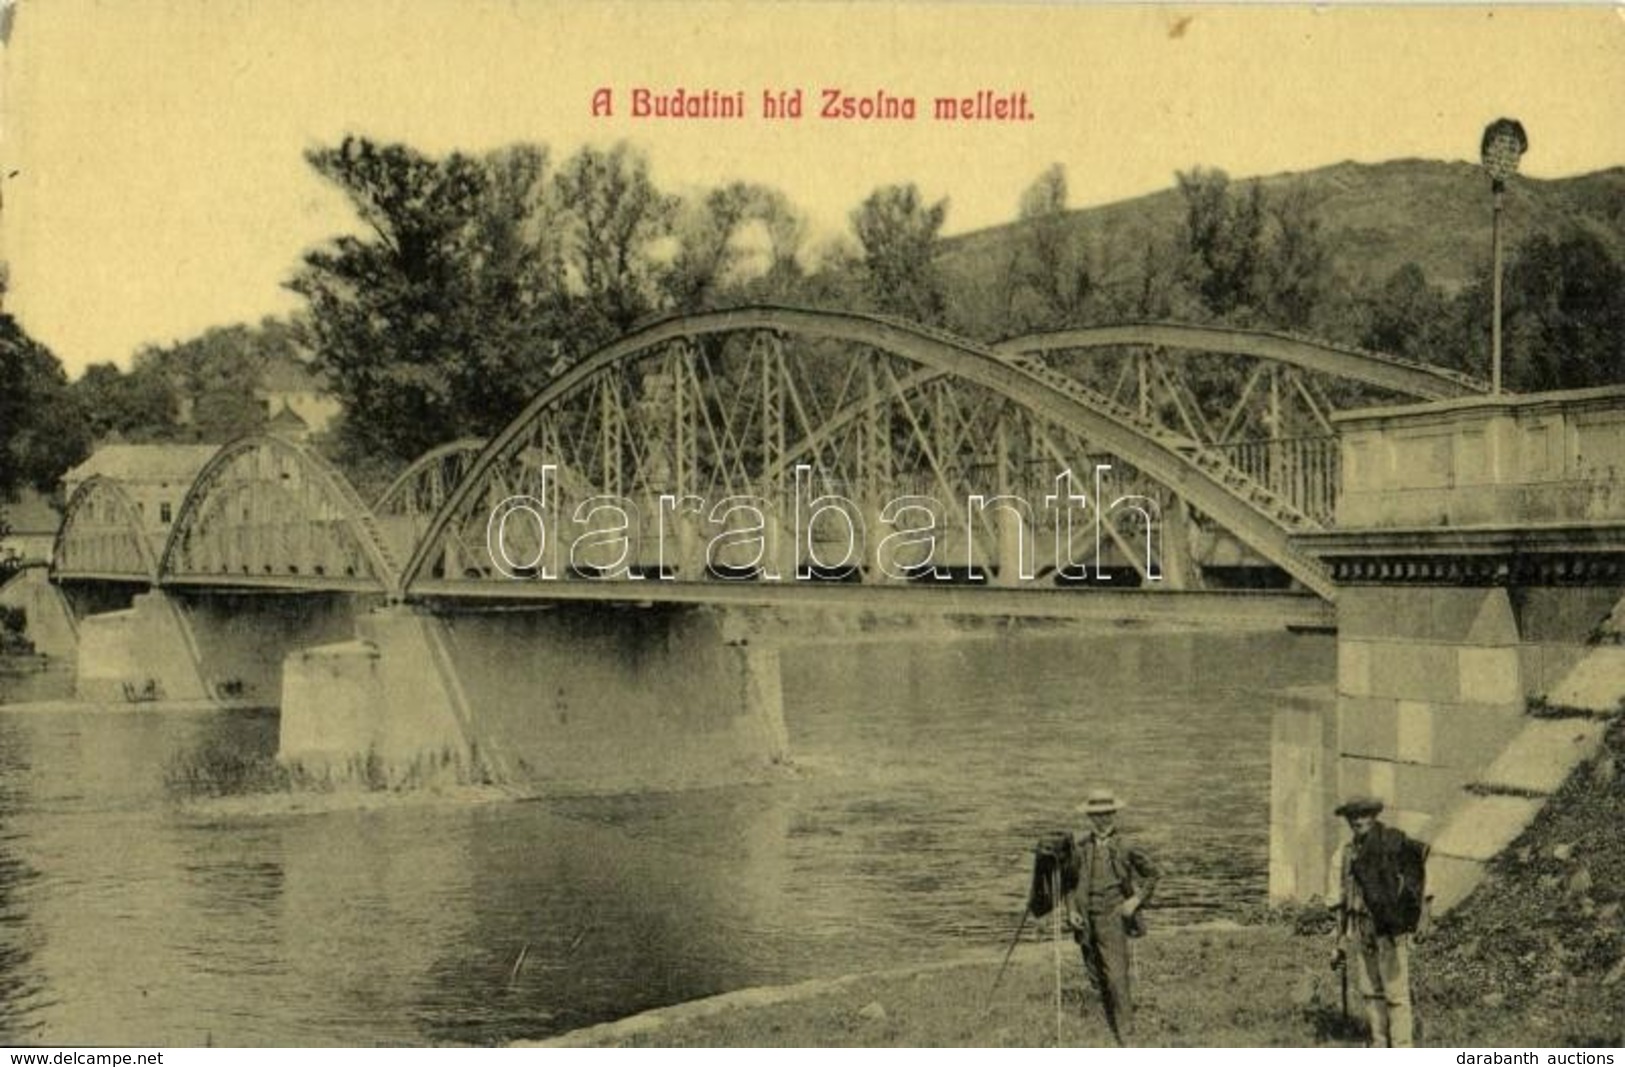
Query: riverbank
(1189,994)
(1535,957)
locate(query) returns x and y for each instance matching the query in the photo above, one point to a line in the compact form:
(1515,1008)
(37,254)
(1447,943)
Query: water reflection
(20,983)
(616,905)
(923,774)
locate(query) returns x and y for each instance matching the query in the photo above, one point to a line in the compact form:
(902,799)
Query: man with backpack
(1379,890)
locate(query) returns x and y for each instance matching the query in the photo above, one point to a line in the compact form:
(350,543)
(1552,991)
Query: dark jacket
(1390,867)
(1058,871)
(1130,868)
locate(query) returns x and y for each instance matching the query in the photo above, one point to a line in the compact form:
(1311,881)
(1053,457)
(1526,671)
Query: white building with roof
(156,477)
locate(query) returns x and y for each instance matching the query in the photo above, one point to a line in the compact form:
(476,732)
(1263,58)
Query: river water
(130,915)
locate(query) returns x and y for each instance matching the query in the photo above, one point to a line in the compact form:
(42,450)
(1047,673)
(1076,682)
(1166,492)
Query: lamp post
(1504,142)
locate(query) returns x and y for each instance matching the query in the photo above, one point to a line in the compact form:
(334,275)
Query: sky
(152,150)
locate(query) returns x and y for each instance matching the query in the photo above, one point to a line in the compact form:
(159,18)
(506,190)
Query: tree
(1408,316)
(899,233)
(201,389)
(43,430)
(717,260)
(786,232)
(707,251)
(442,318)
(1565,314)
(1563,317)
(138,407)
(613,217)
(1223,239)
(517,308)
(1296,267)
(1048,263)
(215,377)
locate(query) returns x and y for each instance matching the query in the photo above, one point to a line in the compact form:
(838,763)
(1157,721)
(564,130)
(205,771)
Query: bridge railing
(1541,458)
(1304,470)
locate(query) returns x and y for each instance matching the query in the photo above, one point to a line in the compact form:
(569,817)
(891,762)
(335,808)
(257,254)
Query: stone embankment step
(1508,795)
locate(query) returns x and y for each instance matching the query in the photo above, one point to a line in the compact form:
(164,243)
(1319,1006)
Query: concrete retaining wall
(1303,777)
(242,640)
(1430,687)
(1432,693)
(184,646)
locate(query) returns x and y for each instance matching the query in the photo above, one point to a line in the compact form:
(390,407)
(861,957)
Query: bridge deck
(275,583)
(1198,606)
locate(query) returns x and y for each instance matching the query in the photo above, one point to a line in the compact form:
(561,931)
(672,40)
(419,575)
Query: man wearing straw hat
(1115,880)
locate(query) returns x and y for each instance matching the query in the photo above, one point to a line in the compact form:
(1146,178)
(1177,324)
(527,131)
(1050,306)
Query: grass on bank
(223,769)
(1537,954)
(1240,986)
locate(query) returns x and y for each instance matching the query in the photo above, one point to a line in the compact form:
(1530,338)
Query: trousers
(1105,951)
(1382,972)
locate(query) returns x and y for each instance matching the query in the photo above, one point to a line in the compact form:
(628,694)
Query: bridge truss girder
(268,511)
(103,535)
(783,406)
(1264,405)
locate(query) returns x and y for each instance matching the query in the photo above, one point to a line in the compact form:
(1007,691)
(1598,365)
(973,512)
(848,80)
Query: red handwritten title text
(794,105)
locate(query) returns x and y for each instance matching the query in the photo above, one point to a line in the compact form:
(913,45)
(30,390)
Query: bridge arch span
(425,483)
(103,535)
(1258,517)
(406,505)
(269,510)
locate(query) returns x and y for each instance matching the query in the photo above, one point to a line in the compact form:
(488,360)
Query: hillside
(1375,217)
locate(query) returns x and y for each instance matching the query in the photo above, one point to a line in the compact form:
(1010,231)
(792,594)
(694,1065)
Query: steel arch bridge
(714,429)
(722,406)
(264,512)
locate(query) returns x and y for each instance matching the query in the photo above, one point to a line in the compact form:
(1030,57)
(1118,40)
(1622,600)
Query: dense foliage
(476,279)
(470,281)
(43,430)
(197,391)
(1246,255)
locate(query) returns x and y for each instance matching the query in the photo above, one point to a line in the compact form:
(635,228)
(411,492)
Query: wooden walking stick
(1340,963)
(1055,895)
(1343,972)
(1133,968)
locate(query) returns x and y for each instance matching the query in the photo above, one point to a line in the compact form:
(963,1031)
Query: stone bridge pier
(1479,552)
(573,696)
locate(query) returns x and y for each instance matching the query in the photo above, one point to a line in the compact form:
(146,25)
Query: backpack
(1390,868)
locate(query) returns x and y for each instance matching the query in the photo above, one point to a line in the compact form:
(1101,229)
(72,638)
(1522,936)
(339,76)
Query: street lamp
(1504,142)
